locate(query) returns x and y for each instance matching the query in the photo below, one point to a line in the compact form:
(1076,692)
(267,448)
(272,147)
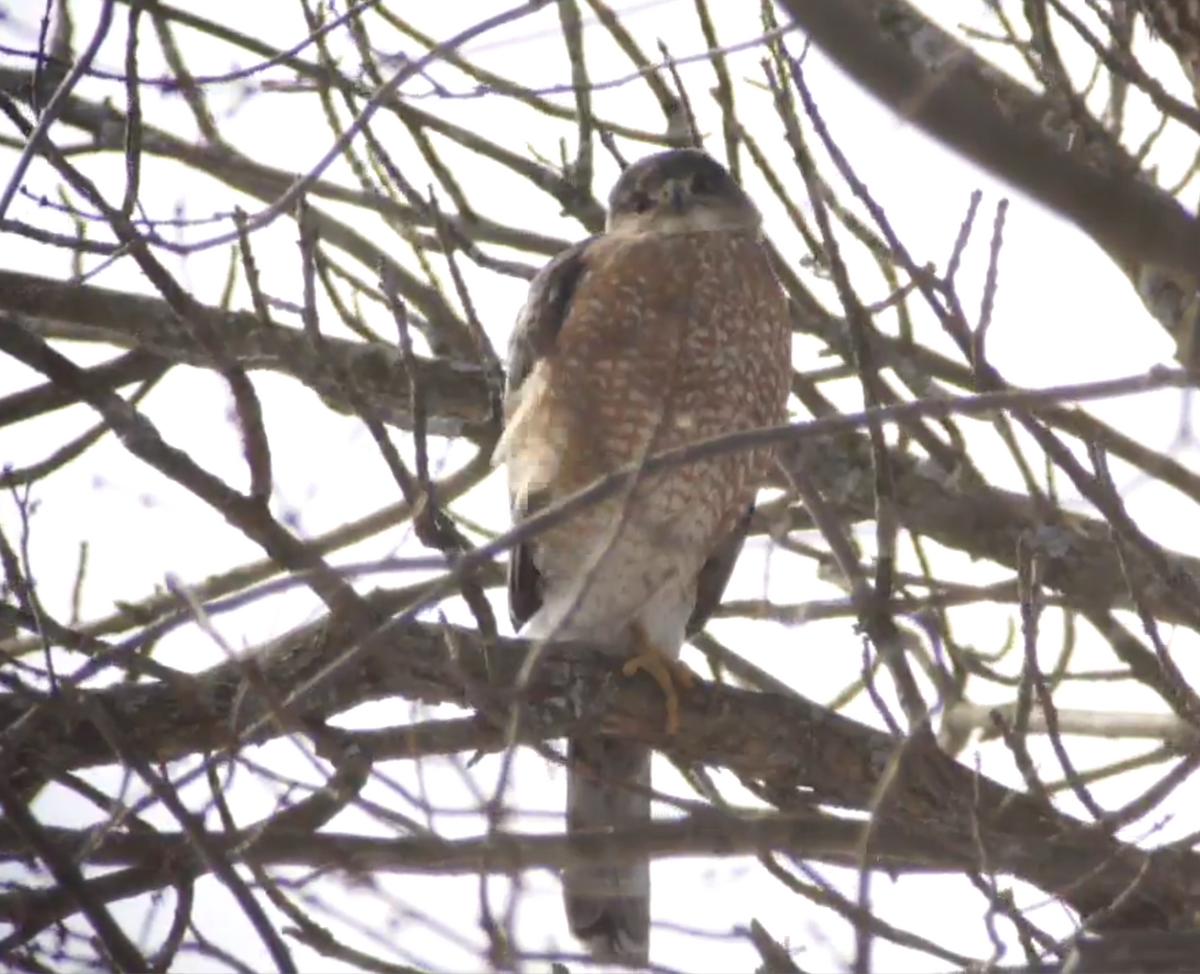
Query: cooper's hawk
(668,328)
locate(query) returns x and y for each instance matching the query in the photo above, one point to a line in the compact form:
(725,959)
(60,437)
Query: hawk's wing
(714,575)
(538,325)
(533,338)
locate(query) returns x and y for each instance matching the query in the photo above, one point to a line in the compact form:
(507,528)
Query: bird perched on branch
(668,328)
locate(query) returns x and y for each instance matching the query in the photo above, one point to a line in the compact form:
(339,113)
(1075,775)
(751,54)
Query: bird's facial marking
(679,191)
(696,219)
(641,202)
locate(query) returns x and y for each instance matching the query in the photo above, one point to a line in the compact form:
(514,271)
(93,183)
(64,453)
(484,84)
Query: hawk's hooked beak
(675,194)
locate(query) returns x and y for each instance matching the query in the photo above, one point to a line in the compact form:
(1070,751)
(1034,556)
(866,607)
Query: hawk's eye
(640,202)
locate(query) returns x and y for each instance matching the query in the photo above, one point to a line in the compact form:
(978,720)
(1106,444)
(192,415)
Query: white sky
(1063,315)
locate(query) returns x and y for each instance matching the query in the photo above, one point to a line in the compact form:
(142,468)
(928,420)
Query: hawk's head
(679,191)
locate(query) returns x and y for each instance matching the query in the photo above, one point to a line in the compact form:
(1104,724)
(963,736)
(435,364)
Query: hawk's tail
(608,903)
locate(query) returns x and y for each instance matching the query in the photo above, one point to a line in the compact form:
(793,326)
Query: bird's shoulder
(552,291)
(545,309)
(581,282)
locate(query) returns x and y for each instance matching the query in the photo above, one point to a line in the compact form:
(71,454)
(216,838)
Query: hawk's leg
(668,673)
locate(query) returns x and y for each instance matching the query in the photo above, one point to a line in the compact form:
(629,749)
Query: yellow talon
(667,673)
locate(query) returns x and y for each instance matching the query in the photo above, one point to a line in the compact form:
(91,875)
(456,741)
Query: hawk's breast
(669,339)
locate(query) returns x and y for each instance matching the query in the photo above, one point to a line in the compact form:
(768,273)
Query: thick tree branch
(933,80)
(456,396)
(781,741)
(805,835)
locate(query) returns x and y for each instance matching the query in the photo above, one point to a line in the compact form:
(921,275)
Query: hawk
(668,328)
